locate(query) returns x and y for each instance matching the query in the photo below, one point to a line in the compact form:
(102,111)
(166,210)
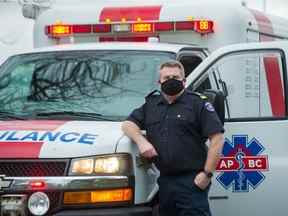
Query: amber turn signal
(103,196)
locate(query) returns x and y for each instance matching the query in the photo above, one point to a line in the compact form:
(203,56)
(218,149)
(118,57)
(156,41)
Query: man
(177,124)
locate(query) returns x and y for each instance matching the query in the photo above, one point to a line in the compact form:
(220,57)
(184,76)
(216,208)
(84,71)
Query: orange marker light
(86,197)
(142,27)
(59,30)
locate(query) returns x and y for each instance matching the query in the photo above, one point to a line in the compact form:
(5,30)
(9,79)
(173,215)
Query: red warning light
(37,184)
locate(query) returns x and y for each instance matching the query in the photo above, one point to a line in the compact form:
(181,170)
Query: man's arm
(132,130)
(214,152)
(213,156)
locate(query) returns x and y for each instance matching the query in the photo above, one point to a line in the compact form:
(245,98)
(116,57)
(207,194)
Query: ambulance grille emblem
(4,183)
(242,164)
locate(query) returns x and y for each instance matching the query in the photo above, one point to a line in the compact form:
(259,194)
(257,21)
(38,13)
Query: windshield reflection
(102,82)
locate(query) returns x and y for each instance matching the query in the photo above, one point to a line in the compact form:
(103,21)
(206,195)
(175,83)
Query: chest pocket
(185,122)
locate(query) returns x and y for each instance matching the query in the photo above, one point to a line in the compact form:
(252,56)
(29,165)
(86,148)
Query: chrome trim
(68,183)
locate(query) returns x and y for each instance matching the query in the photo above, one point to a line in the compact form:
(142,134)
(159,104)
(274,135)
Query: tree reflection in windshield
(110,83)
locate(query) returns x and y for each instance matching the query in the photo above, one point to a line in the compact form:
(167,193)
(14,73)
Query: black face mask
(172,87)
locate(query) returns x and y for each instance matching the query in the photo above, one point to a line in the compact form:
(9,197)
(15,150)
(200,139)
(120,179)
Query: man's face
(167,73)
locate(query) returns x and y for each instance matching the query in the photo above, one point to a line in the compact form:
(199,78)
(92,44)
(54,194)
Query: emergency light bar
(63,30)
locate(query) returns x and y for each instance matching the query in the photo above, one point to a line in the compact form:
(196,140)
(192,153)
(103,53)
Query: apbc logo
(242,164)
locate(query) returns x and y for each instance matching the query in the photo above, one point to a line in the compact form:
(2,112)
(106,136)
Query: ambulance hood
(57,139)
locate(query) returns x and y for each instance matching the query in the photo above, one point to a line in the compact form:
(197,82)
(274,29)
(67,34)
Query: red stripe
(271,64)
(24,149)
(275,85)
(124,39)
(264,24)
(20,149)
(115,14)
(37,125)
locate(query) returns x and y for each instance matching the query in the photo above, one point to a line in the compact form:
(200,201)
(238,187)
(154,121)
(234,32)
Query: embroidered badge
(209,107)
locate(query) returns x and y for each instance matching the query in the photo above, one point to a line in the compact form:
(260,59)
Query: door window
(253,83)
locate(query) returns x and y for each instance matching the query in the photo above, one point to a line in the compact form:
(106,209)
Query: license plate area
(13,205)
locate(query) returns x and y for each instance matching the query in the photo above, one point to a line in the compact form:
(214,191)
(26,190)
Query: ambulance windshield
(107,83)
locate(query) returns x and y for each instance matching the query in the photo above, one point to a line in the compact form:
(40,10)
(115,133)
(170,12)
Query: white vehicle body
(55,138)
(254,157)
(253,77)
(222,24)
(255,188)
(15,37)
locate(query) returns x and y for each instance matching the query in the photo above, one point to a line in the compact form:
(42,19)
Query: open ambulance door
(253,78)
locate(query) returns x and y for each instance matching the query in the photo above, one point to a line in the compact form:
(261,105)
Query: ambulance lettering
(47,136)
(242,165)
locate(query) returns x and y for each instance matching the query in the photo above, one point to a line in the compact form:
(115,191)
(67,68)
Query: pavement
(16,32)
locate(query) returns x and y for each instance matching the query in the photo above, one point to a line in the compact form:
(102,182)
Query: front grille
(19,168)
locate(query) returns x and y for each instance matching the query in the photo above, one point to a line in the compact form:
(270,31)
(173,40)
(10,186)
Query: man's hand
(201,180)
(147,150)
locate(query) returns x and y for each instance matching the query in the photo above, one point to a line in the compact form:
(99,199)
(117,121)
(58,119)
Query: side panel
(259,192)
(249,177)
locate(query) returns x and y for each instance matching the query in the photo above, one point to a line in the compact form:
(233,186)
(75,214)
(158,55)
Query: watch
(208,174)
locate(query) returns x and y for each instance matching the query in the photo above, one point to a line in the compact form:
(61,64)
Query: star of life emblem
(242,164)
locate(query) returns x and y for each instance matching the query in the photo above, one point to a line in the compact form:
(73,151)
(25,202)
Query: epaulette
(202,96)
(153,93)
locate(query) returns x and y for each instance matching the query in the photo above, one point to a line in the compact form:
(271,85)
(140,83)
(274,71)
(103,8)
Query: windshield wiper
(74,114)
(11,115)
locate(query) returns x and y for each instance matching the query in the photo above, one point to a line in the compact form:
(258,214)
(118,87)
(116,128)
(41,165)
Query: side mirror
(217,98)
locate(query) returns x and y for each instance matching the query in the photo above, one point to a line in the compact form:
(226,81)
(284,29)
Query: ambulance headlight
(38,203)
(105,164)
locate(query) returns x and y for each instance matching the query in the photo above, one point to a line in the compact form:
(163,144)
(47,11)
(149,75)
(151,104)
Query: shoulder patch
(209,107)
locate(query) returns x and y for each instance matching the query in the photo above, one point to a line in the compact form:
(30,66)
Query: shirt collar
(179,99)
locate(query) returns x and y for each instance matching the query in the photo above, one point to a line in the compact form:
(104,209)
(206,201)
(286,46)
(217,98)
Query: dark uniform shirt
(178,131)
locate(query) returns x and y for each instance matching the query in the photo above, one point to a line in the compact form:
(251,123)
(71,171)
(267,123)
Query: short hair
(173,64)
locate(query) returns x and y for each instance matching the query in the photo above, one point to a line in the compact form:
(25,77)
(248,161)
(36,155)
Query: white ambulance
(62,151)
(206,24)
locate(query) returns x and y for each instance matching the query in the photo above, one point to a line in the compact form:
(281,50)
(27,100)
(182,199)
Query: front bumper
(54,187)
(132,211)
(66,183)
